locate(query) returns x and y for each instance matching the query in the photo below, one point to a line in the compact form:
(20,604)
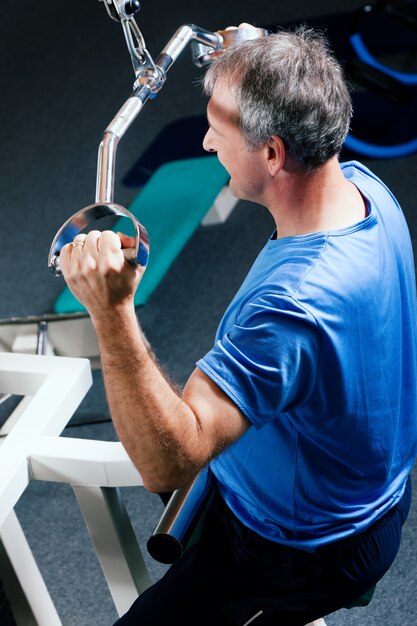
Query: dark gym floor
(65,71)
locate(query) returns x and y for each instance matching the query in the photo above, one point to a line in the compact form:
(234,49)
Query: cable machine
(150,77)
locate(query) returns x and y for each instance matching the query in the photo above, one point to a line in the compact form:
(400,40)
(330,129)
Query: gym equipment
(180,139)
(403,12)
(369,43)
(150,76)
(172,203)
(397,87)
(179,525)
(32,449)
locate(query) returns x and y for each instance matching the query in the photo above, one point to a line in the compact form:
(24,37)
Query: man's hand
(168,437)
(97,272)
(242,25)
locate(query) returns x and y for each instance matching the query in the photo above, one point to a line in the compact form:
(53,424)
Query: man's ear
(275,155)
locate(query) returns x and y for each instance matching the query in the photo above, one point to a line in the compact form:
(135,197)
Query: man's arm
(168,437)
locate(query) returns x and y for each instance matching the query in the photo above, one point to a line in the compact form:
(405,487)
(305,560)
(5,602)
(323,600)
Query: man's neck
(303,203)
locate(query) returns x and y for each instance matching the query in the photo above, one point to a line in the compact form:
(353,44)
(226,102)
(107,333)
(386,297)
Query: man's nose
(208,143)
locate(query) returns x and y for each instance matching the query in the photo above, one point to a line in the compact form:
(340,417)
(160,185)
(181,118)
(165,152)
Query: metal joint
(150,77)
(120,10)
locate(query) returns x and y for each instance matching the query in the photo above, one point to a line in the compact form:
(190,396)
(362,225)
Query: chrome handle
(180,518)
(150,77)
(138,255)
(203,55)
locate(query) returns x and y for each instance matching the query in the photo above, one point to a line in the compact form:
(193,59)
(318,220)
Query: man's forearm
(168,437)
(158,429)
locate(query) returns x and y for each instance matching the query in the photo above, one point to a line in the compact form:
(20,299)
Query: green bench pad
(171,206)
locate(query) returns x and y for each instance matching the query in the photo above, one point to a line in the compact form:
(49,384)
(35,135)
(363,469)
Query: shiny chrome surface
(121,9)
(106,160)
(84,219)
(204,55)
(180,518)
(187,33)
(150,77)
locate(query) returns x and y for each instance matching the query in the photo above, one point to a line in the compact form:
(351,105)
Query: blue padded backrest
(171,206)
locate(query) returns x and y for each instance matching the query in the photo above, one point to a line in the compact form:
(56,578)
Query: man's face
(225,138)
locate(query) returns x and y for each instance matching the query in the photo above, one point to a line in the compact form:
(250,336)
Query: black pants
(234,577)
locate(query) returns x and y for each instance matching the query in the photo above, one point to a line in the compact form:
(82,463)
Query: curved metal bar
(203,54)
(150,77)
(149,81)
(106,161)
(83,219)
(187,33)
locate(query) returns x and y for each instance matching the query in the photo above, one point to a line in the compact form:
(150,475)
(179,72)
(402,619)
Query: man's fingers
(242,25)
(72,248)
(91,240)
(127,242)
(78,243)
(109,241)
(97,249)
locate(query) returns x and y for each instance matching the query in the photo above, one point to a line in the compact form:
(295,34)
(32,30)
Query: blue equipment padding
(170,206)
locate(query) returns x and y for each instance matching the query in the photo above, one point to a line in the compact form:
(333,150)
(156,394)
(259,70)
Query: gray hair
(289,85)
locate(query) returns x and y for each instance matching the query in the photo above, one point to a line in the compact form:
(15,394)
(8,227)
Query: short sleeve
(267,361)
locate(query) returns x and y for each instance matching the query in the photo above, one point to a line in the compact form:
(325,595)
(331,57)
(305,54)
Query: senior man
(305,407)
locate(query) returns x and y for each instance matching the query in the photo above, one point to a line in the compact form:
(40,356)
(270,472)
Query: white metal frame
(31,448)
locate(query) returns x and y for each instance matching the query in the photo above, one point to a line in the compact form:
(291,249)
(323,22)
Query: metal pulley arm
(145,68)
(150,76)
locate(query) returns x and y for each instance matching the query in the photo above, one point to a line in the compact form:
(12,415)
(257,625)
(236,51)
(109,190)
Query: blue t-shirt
(319,350)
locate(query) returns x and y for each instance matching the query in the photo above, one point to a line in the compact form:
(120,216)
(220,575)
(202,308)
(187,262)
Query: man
(305,408)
